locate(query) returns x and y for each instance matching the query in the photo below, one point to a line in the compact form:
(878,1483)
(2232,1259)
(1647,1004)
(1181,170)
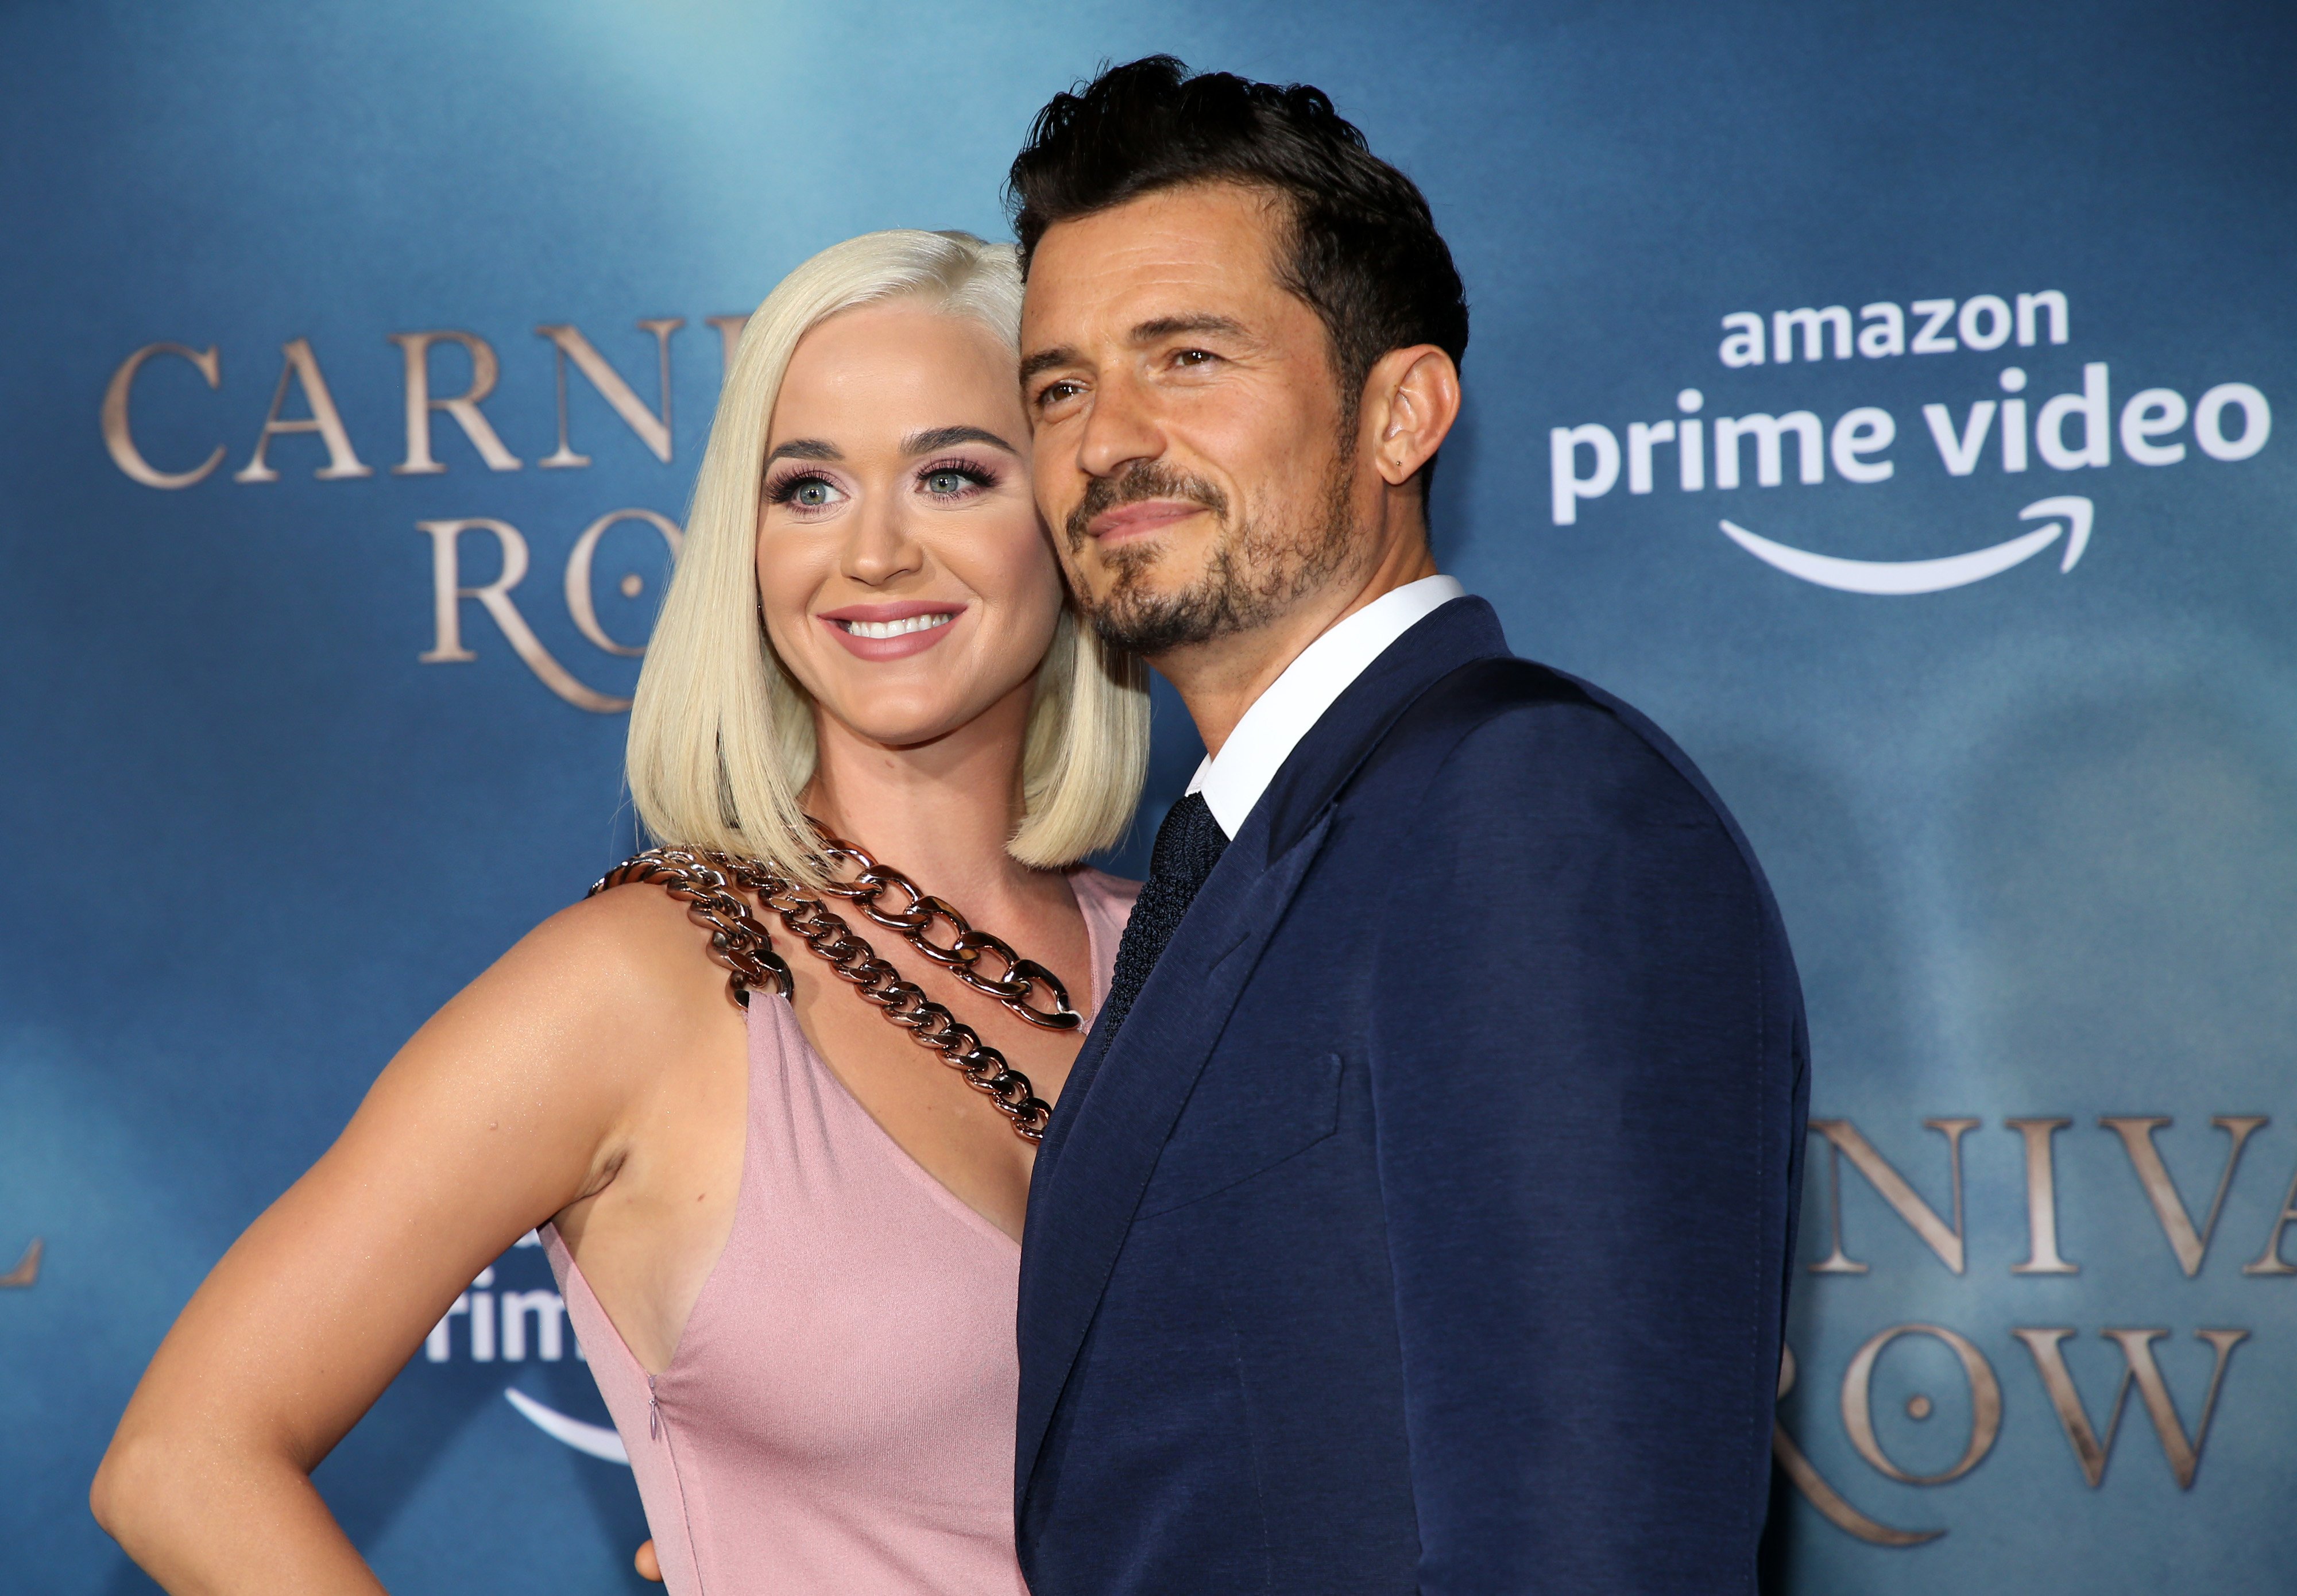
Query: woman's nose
(880,545)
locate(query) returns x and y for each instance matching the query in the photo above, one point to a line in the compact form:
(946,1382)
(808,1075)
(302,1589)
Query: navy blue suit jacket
(1426,1225)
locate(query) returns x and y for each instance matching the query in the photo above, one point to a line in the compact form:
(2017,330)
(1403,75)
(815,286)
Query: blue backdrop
(1993,659)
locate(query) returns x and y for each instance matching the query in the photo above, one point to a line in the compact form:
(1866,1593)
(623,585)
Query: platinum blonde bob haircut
(721,742)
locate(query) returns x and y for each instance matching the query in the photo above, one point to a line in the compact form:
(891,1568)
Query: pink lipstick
(890,631)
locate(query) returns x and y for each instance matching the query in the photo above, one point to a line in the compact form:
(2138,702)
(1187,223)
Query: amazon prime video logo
(2078,429)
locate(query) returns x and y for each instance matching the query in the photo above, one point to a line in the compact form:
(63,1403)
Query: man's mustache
(1142,481)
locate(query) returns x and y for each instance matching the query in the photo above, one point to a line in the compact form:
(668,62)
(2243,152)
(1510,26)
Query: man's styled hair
(1363,250)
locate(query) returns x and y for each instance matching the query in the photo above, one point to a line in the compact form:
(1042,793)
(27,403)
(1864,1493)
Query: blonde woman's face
(906,579)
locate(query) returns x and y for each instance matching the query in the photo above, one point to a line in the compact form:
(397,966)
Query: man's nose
(880,543)
(1122,427)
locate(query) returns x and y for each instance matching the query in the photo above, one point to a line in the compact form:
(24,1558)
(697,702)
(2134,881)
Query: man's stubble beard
(1256,572)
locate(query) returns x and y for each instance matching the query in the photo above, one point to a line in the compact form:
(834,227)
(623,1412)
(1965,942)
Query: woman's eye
(948,484)
(806,493)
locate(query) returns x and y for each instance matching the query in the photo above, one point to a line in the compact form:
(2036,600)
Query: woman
(787,1233)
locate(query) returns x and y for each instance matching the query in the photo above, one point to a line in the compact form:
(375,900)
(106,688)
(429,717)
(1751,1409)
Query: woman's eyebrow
(941,438)
(805,449)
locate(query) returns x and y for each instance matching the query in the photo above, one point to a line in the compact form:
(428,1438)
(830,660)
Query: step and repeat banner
(1897,403)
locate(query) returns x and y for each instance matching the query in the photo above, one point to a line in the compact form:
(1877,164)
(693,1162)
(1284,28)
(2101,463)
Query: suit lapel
(1124,1096)
(1125,1108)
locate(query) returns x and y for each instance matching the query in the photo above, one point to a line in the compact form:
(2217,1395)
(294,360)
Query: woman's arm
(512,1102)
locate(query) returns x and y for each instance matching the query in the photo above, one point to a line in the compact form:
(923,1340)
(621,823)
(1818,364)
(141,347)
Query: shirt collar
(1289,708)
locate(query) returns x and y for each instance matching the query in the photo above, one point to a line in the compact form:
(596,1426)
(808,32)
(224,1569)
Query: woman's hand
(512,1103)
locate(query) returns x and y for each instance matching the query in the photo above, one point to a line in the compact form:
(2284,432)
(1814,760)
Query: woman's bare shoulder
(612,984)
(636,940)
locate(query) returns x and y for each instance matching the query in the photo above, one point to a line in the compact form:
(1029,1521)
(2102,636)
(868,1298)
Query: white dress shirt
(1276,721)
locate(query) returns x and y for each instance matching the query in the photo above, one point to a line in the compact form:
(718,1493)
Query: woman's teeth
(894,629)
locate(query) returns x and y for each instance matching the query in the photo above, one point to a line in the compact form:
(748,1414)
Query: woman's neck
(940,812)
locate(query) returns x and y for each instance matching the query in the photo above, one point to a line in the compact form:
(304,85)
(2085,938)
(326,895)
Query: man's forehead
(1175,253)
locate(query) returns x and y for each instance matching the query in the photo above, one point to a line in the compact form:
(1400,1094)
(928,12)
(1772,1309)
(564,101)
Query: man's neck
(1219,680)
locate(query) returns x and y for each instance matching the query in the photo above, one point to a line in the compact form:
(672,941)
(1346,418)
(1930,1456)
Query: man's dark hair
(1364,252)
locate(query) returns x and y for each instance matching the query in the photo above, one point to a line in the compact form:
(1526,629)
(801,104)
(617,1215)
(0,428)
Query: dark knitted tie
(1189,845)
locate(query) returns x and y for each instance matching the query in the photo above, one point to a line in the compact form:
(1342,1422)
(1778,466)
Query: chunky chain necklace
(703,879)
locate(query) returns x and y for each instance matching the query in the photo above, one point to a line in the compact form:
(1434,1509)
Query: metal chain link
(962,956)
(700,878)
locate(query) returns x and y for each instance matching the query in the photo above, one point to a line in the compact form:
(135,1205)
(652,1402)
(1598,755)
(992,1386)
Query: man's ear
(1411,398)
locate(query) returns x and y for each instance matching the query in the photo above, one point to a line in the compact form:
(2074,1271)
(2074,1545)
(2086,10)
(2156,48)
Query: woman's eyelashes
(811,493)
(807,492)
(948,480)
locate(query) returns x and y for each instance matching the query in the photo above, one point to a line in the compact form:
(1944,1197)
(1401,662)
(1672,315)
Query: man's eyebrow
(805,449)
(1172,326)
(941,438)
(1147,332)
(1046,360)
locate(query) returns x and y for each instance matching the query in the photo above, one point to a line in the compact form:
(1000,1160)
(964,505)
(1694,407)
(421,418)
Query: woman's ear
(1411,398)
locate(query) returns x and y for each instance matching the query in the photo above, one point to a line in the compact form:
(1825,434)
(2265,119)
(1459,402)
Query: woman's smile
(890,631)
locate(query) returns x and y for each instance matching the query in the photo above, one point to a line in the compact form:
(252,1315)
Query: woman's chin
(918,700)
(895,720)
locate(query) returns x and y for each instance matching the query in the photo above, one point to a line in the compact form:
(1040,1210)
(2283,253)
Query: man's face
(1188,439)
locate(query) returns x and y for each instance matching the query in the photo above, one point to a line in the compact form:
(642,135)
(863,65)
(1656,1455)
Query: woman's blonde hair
(721,736)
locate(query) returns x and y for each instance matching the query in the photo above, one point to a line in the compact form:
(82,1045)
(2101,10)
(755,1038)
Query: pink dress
(837,1417)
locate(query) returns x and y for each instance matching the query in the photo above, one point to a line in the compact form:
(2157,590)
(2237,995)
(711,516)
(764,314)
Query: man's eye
(1194,358)
(1055,393)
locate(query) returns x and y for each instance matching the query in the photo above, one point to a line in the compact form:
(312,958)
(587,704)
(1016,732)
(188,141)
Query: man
(1417,1216)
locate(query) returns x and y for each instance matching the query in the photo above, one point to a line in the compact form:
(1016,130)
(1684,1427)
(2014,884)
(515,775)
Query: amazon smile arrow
(1897,578)
(596,1439)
